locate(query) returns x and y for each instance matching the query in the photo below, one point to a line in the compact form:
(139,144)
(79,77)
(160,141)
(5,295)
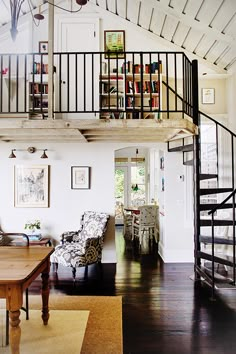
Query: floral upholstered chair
(83,247)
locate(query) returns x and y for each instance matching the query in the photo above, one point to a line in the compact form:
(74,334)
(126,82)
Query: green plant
(34,224)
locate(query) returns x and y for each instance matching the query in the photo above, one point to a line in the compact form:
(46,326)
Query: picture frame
(80,177)
(208,95)
(43,47)
(31,188)
(114,42)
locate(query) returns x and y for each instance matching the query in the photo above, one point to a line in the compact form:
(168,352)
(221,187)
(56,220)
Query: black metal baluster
(60,83)
(17,83)
(25,83)
(68,82)
(175,70)
(76,82)
(84,81)
(1,98)
(167,87)
(9,84)
(93,95)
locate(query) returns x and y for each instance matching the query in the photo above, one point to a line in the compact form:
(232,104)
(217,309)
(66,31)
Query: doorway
(79,73)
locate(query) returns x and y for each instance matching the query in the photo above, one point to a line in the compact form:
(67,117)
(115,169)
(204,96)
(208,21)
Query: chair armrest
(16,234)
(67,236)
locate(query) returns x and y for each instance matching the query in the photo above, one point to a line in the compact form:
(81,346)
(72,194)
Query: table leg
(15,331)
(45,297)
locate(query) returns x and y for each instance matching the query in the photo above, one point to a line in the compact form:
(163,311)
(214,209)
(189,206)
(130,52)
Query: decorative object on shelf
(43,47)
(31,150)
(80,177)
(208,95)
(135,186)
(31,186)
(114,44)
(33,228)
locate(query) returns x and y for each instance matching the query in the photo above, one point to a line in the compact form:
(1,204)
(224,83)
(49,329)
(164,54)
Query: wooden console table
(19,266)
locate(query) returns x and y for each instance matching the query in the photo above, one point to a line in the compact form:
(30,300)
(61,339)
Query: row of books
(38,88)
(37,103)
(148,86)
(129,67)
(39,68)
(152,102)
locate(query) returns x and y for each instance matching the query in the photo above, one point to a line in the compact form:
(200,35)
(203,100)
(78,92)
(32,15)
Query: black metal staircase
(214,180)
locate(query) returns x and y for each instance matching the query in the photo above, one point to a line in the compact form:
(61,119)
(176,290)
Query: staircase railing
(79,80)
(212,212)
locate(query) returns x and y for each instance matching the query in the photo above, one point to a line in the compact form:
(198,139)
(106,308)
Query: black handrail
(212,211)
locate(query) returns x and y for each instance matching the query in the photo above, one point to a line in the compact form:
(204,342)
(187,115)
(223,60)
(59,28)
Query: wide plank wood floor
(164,311)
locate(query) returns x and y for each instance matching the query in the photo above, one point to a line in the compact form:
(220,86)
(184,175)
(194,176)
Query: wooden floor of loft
(164,311)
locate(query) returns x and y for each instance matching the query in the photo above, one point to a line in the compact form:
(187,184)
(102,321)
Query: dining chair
(7,239)
(146,222)
(127,224)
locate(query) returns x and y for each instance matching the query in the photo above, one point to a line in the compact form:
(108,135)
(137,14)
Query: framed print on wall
(208,95)
(31,186)
(114,42)
(80,177)
(43,47)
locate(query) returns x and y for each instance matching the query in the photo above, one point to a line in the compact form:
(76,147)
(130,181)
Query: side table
(43,242)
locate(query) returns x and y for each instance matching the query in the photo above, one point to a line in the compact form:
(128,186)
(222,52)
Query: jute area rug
(100,317)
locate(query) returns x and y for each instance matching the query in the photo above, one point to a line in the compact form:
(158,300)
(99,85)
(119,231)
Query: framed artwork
(43,47)
(80,177)
(208,95)
(31,186)
(114,42)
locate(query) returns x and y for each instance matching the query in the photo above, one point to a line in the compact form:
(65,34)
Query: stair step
(207,222)
(185,148)
(219,258)
(206,191)
(211,206)
(188,163)
(217,241)
(218,277)
(207,176)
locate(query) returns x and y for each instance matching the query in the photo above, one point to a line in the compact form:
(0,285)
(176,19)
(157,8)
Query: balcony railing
(121,85)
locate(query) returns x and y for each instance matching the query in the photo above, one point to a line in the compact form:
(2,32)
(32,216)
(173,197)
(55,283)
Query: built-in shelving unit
(132,93)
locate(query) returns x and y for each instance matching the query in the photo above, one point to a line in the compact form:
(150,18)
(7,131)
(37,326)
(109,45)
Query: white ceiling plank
(112,6)
(204,45)
(180,34)
(132,10)
(208,10)
(193,7)
(224,15)
(216,51)
(145,16)
(157,21)
(169,28)
(192,40)
(121,7)
(178,5)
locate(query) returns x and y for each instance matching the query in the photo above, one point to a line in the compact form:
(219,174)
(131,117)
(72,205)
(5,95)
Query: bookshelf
(132,93)
(38,91)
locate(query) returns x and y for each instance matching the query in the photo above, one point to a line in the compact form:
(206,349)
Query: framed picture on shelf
(114,44)
(31,186)
(43,47)
(80,177)
(208,95)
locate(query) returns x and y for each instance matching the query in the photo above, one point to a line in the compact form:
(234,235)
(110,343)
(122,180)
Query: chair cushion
(4,240)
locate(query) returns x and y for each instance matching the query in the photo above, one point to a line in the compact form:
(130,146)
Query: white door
(78,73)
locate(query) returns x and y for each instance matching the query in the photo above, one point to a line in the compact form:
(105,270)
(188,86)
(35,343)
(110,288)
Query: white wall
(66,205)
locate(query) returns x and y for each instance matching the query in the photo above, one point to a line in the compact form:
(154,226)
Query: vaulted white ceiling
(205,28)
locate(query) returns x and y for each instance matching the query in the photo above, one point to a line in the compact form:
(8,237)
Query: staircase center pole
(196,178)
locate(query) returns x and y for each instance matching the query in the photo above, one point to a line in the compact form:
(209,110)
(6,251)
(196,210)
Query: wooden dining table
(19,266)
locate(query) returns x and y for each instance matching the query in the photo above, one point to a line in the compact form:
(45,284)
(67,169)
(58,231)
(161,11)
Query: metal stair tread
(211,206)
(207,176)
(217,222)
(217,240)
(184,148)
(206,191)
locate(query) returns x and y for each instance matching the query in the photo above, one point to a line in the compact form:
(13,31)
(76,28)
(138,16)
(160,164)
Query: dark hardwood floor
(164,311)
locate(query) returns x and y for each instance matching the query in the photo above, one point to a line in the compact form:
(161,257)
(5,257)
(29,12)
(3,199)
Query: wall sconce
(31,150)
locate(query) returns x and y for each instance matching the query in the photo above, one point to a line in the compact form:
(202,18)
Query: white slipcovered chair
(146,222)
(83,247)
